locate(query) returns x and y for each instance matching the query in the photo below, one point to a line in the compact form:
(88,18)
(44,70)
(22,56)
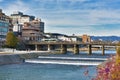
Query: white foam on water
(63,62)
(73,58)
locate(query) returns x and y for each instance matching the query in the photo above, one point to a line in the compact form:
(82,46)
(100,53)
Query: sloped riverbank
(7,58)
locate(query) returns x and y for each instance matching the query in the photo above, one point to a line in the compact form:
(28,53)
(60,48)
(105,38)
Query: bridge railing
(71,42)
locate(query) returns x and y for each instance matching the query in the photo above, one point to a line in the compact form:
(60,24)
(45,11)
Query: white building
(18,19)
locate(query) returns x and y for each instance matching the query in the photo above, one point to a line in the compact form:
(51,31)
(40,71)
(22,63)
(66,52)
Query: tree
(11,40)
(118,54)
(110,70)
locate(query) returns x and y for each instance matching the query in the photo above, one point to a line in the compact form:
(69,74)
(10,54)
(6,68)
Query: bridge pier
(49,47)
(36,47)
(103,50)
(76,49)
(89,49)
(63,49)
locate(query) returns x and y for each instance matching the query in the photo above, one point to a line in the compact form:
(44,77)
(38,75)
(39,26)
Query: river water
(47,71)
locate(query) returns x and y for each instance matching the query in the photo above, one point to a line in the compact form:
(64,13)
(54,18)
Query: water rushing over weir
(69,60)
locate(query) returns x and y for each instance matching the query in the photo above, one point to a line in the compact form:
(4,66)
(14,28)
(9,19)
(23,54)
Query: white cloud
(69,30)
(82,30)
(16,6)
(83,19)
(65,0)
(79,23)
(105,16)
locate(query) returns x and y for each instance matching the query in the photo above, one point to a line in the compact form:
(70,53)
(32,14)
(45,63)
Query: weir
(67,60)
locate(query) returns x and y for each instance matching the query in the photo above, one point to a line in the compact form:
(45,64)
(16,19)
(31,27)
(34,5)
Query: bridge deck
(69,43)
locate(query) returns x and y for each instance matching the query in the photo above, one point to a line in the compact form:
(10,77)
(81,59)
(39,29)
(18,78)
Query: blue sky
(92,17)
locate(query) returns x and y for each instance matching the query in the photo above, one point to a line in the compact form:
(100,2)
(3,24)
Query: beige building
(38,23)
(32,31)
(86,38)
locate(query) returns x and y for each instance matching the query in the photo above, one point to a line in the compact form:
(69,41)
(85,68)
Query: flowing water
(45,72)
(54,67)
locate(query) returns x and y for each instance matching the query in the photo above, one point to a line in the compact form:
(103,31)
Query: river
(48,71)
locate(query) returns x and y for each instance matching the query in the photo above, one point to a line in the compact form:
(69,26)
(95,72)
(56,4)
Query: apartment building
(5,26)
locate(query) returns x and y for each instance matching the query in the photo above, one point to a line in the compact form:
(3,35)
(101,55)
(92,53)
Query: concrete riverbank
(12,58)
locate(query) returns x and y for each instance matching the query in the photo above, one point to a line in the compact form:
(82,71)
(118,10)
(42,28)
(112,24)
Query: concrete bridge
(63,45)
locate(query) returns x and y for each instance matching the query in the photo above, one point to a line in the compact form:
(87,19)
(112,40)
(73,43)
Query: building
(10,25)
(5,26)
(19,17)
(17,29)
(31,33)
(63,37)
(86,38)
(27,26)
(38,23)
(18,20)
(56,36)
(33,30)
(75,38)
